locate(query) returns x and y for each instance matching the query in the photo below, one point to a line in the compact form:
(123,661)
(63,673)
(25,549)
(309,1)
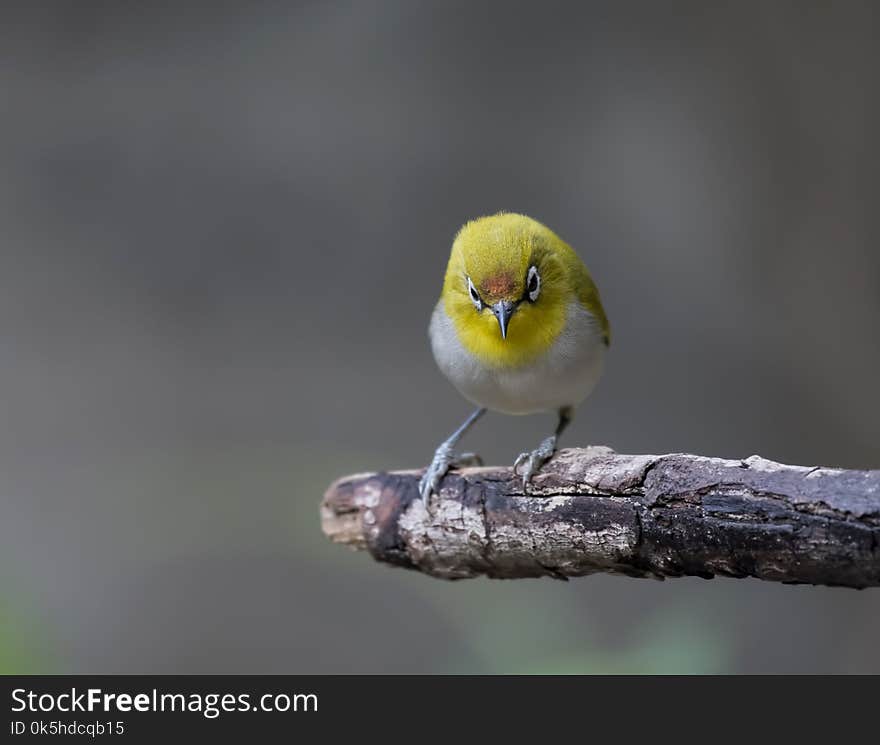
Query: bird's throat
(531,332)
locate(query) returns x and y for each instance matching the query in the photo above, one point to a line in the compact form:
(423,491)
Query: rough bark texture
(594,510)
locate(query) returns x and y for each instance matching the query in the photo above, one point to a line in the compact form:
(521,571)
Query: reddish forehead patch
(498,285)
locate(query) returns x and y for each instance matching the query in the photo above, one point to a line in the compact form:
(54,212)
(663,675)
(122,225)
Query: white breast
(564,376)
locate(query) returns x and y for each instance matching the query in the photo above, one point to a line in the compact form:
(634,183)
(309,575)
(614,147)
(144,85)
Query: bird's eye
(533,284)
(475,296)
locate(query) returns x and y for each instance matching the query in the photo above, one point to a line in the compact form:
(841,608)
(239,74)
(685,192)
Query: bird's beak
(503,310)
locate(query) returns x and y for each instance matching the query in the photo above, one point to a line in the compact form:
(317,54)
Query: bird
(519,329)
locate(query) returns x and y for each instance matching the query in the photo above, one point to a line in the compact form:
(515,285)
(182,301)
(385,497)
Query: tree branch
(641,515)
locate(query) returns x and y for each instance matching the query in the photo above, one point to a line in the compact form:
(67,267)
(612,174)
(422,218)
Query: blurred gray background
(222,231)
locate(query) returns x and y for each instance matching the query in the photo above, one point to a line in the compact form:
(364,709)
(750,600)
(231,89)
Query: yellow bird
(519,328)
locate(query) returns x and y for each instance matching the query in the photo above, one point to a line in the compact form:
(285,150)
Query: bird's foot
(528,464)
(444,459)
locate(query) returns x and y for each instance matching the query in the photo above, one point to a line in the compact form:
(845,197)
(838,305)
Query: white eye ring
(533,283)
(475,296)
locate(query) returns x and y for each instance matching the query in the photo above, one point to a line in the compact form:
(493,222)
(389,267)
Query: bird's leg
(531,462)
(444,459)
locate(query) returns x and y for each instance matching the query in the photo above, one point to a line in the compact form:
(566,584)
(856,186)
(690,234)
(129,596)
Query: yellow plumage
(506,245)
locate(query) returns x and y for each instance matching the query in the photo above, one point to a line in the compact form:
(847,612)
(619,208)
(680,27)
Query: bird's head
(507,288)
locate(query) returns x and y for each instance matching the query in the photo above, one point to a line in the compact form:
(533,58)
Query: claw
(534,460)
(430,482)
(434,473)
(443,460)
(532,464)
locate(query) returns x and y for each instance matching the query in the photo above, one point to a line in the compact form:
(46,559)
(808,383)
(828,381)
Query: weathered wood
(594,510)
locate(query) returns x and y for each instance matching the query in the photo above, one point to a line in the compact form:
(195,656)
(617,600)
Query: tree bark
(594,510)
